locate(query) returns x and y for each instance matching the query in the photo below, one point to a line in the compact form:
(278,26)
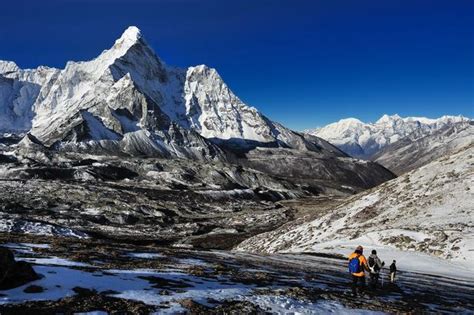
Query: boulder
(6,260)
(14,273)
(33,289)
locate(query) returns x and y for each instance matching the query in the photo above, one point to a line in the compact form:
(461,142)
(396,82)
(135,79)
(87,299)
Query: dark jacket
(393,268)
(378,264)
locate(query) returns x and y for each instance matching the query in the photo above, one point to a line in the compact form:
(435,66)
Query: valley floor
(85,275)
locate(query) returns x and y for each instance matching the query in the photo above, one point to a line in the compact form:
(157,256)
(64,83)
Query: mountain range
(365,140)
(418,149)
(128,97)
(127,101)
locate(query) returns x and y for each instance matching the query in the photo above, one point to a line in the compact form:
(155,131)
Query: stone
(17,275)
(33,289)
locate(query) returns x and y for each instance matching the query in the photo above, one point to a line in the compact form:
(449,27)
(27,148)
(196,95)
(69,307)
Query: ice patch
(35,245)
(146,255)
(285,305)
(38,228)
(24,248)
(54,261)
(192,262)
(59,282)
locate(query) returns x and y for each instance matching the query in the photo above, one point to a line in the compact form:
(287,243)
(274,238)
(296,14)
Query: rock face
(417,149)
(364,140)
(14,273)
(310,168)
(430,209)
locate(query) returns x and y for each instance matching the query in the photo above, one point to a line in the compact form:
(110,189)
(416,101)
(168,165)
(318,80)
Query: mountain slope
(430,210)
(414,150)
(18,91)
(363,140)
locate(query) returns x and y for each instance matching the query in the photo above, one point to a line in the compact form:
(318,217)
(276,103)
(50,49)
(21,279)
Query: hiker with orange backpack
(357,265)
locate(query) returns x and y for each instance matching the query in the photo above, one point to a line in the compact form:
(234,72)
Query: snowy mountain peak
(365,139)
(388,119)
(350,121)
(7,66)
(128,100)
(131,34)
(130,37)
(452,119)
(131,42)
(202,69)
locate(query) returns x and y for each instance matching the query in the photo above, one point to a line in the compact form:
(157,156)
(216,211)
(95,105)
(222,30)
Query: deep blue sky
(303,63)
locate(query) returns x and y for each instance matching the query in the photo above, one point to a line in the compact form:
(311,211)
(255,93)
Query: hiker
(357,264)
(375,265)
(393,271)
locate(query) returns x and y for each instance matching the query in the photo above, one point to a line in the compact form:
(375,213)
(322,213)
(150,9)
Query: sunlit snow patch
(38,228)
(192,262)
(286,305)
(24,248)
(146,255)
(54,261)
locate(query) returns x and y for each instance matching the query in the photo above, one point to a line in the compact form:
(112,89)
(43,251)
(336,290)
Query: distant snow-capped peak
(362,140)
(446,119)
(7,66)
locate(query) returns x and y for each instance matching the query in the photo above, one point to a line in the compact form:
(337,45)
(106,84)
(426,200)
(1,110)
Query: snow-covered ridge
(363,140)
(418,149)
